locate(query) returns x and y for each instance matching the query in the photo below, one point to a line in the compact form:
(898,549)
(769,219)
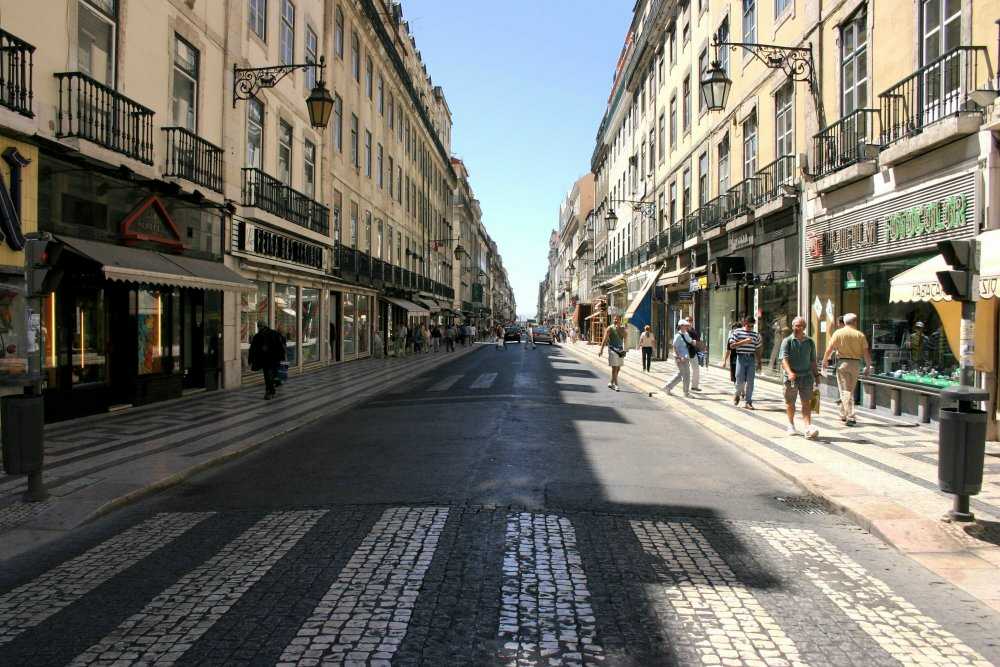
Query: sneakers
(695,389)
(790,430)
(850,421)
(616,387)
(736,399)
(611,385)
(749,406)
(812,433)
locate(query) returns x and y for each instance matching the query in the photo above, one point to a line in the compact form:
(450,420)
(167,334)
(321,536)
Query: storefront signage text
(740,239)
(270,244)
(854,237)
(936,216)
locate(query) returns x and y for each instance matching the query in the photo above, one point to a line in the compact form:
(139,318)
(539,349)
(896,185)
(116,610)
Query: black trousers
(647,358)
(270,373)
(449,344)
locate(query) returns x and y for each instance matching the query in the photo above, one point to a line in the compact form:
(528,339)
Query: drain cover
(804,504)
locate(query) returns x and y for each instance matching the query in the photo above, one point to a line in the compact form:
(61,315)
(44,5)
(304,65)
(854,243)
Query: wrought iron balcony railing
(692,224)
(17,64)
(90,110)
(677,236)
(740,196)
(714,212)
(267,193)
(192,158)
(771,177)
(846,142)
(934,92)
(347,259)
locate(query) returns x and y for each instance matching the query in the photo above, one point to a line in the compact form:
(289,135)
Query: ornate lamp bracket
(796,61)
(248,81)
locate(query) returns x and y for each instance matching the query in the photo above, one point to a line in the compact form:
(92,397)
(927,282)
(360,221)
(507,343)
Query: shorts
(802,387)
(615,360)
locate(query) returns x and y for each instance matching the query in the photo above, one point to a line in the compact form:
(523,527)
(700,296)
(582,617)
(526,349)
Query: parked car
(543,335)
(512,333)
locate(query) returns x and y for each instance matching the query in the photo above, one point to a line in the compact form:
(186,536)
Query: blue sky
(527,82)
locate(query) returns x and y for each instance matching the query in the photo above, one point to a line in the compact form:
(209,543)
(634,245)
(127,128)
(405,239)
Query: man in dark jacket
(267,351)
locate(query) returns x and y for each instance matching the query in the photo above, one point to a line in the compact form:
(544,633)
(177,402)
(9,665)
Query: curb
(926,541)
(177,477)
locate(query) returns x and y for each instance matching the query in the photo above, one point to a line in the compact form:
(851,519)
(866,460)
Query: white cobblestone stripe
(546,615)
(896,625)
(484,381)
(181,614)
(723,618)
(31,604)
(445,383)
(365,613)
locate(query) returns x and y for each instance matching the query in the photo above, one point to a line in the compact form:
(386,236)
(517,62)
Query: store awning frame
(410,307)
(633,306)
(136,265)
(920,283)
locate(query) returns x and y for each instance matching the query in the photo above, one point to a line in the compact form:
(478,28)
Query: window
(96,36)
(310,324)
(686,24)
(368,154)
(312,50)
(380,227)
(355,57)
(354,225)
(724,164)
(672,38)
(673,122)
(380,178)
(338,33)
(381,95)
(399,184)
(942,20)
(355,157)
(284,152)
(659,69)
(184,102)
(702,179)
(672,211)
(257,17)
(338,207)
(854,63)
(369,74)
(749,21)
(399,128)
(309,169)
(781,6)
(388,244)
(750,145)
(392,176)
(723,36)
(784,129)
(338,123)
(255,132)
(663,137)
(286,35)
(392,112)
(702,74)
(686,109)
(368,232)
(686,194)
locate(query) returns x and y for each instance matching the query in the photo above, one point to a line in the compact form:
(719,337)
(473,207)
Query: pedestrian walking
(401,333)
(529,337)
(745,344)
(436,337)
(798,359)
(696,350)
(267,351)
(449,338)
(851,346)
(682,357)
(473,333)
(498,333)
(615,339)
(425,338)
(646,344)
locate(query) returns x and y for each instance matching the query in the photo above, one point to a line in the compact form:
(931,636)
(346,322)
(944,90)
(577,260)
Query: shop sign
(266,243)
(150,222)
(693,285)
(740,239)
(936,216)
(846,239)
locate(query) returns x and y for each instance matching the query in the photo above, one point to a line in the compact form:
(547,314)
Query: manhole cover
(804,504)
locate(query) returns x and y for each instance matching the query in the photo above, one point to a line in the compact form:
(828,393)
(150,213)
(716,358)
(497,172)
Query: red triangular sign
(150,221)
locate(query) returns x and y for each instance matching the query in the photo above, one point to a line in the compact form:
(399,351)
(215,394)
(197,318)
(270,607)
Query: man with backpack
(267,351)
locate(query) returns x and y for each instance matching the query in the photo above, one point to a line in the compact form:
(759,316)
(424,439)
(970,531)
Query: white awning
(634,305)
(430,304)
(673,277)
(410,307)
(920,282)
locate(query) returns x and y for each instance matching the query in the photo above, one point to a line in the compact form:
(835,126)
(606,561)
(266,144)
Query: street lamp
(612,219)
(795,61)
(247,81)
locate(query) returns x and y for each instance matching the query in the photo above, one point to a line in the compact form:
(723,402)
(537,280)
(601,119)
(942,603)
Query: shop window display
(310,325)
(149,327)
(776,305)
(348,325)
(286,320)
(722,314)
(253,309)
(363,323)
(89,362)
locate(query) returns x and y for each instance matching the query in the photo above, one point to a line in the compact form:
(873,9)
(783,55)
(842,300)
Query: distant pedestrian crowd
(847,352)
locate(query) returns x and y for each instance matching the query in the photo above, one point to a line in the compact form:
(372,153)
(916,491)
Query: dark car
(512,333)
(542,335)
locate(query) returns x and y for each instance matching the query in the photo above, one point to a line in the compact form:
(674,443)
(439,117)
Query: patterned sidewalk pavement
(882,473)
(95,464)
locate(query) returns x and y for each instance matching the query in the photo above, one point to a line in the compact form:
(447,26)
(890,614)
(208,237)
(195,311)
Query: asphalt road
(507,508)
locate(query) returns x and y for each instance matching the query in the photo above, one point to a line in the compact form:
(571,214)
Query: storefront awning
(633,307)
(410,307)
(673,277)
(156,268)
(430,304)
(920,283)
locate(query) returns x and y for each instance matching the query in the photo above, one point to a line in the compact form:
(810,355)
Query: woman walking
(646,344)
(436,337)
(615,337)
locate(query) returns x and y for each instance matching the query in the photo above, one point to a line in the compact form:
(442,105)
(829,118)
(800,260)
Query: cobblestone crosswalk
(551,596)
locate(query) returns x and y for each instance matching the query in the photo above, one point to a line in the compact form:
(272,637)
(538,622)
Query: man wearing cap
(682,357)
(693,338)
(850,346)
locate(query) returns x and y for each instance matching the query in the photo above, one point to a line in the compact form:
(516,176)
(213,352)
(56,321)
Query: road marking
(365,613)
(484,381)
(445,384)
(715,611)
(31,604)
(896,625)
(176,618)
(546,615)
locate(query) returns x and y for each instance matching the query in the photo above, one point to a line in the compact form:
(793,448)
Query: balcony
(934,105)
(847,150)
(692,229)
(774,188)
(269,194)
(714,216)
(16,68)
(676,236)
(192,158)
(90,110)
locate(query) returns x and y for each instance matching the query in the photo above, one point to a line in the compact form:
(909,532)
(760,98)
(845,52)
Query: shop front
(854,257)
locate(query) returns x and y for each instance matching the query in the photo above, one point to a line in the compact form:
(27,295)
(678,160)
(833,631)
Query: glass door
(192,348)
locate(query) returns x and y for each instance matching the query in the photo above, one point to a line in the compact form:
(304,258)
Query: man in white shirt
(529,337)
